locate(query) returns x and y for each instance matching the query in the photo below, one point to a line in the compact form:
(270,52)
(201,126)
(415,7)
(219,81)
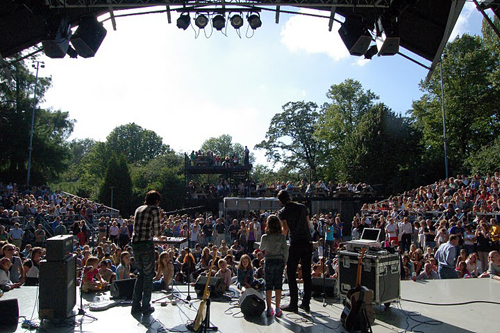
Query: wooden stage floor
(406,315)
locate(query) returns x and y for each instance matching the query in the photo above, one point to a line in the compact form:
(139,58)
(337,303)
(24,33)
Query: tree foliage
(117,180)
(50,152)
(138,144)
(289,139)
(471,104)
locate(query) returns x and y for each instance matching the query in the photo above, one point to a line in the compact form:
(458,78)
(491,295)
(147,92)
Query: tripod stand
(81,310)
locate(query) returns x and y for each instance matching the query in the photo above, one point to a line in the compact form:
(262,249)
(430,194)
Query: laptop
(369,238)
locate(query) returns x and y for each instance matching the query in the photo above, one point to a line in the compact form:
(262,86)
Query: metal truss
(380,4)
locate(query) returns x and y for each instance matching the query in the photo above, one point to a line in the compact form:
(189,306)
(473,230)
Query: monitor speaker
(252,303)
(317,286)
(216,285)
(355,35)
(123,288)
(9,315)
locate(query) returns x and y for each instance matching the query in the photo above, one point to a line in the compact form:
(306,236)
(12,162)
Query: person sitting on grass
(92,280)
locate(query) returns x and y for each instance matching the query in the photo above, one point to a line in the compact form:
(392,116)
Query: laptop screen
(372,234)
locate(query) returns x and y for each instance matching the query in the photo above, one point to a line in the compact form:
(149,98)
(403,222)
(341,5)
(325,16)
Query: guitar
(358,311)
(202,310)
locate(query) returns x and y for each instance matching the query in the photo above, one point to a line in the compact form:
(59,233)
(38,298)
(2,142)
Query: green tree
(338,121)
(117,179)
(223,146)
(138,144)
(487,159)
(289,139)
(471,104)
(51,129)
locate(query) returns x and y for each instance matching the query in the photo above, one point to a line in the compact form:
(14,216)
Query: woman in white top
(474,266)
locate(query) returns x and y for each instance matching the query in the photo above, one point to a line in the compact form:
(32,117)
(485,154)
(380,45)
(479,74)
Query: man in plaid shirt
(146,226)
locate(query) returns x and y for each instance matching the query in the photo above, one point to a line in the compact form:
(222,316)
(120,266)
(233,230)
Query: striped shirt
(146,223)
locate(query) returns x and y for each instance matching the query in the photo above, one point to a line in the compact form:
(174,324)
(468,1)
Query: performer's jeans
(144,255)
(447,273)
(302,253)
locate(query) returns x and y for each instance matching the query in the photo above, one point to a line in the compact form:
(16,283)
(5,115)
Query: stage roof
(425,25)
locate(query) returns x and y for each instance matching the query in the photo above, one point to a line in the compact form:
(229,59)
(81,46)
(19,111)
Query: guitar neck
(360,268)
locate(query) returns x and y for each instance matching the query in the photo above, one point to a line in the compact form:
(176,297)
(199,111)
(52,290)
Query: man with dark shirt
(430,234)
(146,226)
(220,230)
(233,230)
(208,230)
(295,219)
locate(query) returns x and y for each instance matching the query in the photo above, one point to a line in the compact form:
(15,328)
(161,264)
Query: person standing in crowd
(446,256)
(146,226)
(208,229)
(273,243)
(406,230)
(294,218)
(16,235)
(220,231)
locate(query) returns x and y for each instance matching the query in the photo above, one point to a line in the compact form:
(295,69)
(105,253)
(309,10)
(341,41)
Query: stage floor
(225,314)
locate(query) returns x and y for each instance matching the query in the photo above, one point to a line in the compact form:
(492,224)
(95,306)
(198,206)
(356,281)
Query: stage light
(387,30)
(236,21)
(183,21)
(219,22)
(201,21)
(88,37)
(355,35)
(254,21)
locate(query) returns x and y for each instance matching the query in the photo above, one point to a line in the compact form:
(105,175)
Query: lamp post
(112,193)
(36,64)
(444,120)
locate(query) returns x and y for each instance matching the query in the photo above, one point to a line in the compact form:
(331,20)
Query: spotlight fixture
(371,52)
(183,21)
(219,22)
(57,42)
(236,21)
(201,21)
(88,37)
(254,21)
(355,35)
(387,30)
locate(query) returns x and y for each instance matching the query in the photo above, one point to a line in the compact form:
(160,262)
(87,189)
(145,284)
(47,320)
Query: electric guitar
(358,311)
(202,309)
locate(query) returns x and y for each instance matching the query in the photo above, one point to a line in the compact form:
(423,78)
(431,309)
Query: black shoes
(305,307)
(147,312)
(290,308)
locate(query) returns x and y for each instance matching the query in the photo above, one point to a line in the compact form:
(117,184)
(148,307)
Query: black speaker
(252,303)
(123,288)
(355,36)
(216,285)
(57,296)
(9,315)
(317,287)
(59,247)
(88,37)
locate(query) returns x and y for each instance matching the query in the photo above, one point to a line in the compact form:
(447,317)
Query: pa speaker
(252,303)
(9,315)
(123,288)
(216,285)
(57,296)
(355,36)
(317,286)
(57,42)
(88,37)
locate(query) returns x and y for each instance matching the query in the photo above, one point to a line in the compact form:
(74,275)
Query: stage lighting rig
(183,21)
(219,22)
(355,35)
(254,21)
(201,21)
(236,21)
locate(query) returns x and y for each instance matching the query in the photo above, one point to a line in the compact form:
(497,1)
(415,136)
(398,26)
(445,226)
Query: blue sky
(189,89)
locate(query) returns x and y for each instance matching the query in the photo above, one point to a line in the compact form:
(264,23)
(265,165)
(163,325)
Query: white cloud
(311,35)
(462,26)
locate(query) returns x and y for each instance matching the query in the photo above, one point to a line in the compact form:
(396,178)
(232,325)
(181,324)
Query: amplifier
(317,286)
(57,291)
(252,303)
(381,273)
(59,247)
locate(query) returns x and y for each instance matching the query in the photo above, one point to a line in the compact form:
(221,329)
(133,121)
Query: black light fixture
(254,21)
(387,30)
(236,21)
(57,42)
(371,52)
(355,35)
(219,22)
(88,37)
(183,21)
(201,21)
